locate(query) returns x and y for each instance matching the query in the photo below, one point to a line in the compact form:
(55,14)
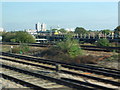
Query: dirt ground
(104,58)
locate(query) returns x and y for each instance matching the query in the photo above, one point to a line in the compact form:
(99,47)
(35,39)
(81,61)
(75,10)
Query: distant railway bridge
(85,38)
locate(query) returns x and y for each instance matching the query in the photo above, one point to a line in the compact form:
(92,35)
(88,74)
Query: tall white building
(43,27)
(37,26)
(40,27)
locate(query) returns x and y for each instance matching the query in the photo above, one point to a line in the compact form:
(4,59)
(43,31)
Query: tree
(117,30)
(7,36)
(69,46)
(53,30)
(106,31)
(103,42)
(70,32)
(19,36)
(62,30)
(24,37)
(80,30)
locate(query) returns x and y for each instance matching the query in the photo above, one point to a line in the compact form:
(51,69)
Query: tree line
(81,30)
(25,37)
(18,36)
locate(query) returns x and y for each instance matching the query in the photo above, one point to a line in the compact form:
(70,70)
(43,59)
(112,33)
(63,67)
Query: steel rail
(85,47)
(79,65)
(71,66)
(86,83)
(65,71)
(55,44)
(72,84)
(59,81)
(32,86)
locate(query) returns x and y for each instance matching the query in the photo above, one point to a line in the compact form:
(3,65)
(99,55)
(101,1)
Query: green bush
(68,48)
(22,48)
(24,37)
(8,36)
(16,50)
(12,40)
(103,42)
(18,36)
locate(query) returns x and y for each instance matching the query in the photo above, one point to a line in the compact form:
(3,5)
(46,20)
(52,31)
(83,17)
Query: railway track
(36,80)
(14,79)
(85,47)
(29,79)
(9,83)
(113,82)
(88,68)
(64,71)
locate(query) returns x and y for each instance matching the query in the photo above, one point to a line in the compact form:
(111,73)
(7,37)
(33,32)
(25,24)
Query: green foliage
(70,32)
(81,42)
(24,37)
(7,36)
(69,46)
(13,40)
(62,30)
(16,50)
(103,42)
(66,50)
(53,30)
(21,48)
(24,47)
(80,30)
(19,36)
(117,30)
(106,31)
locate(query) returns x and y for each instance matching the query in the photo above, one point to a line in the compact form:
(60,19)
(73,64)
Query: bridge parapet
(93,37)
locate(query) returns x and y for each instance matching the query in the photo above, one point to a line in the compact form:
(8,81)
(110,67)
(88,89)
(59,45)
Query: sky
(89,15)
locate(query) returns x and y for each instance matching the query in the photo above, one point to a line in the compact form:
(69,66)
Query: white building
(31,31)
(37,26)
(40,27)
(43,27)
(1,29)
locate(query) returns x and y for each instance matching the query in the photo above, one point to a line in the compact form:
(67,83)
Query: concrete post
(93,36)
(80,35)
(77,35)
(98,36)
(119,35)
(58,67)
(11,47)
(84,35)
(112,35)
(88,36)
(105,35)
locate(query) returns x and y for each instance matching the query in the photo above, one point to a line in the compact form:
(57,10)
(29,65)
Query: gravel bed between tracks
(57,76)
(39,69)
(98,55)
(33,80)
(10,84)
